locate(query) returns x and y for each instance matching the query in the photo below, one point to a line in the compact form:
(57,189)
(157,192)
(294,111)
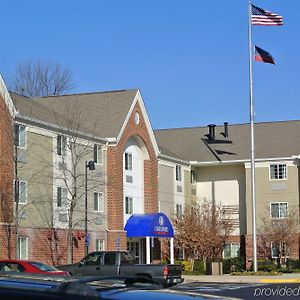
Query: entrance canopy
(152,225)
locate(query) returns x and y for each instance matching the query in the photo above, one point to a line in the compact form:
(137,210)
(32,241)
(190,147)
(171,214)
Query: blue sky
(189,58)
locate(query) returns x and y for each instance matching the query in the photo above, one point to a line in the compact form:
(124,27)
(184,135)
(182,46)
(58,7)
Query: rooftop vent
(226,129)
(211,131)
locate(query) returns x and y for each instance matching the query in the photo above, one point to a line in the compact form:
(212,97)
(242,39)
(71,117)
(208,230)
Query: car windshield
(43,267)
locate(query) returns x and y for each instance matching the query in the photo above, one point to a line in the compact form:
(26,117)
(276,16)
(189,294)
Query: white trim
(5,95)
(138,98)
(268,163)
(174,159)
(245,161)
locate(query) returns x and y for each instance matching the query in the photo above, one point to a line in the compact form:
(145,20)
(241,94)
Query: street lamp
(91,166)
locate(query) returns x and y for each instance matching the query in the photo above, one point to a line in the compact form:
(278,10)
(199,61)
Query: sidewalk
(284,278)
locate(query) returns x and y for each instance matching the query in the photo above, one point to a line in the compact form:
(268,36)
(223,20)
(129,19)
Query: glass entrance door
(134,248)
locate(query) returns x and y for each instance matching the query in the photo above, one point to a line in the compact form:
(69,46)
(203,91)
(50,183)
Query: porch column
(148,253)
(172,250)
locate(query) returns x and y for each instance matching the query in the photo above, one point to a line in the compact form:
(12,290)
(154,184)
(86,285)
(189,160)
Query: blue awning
(154,225)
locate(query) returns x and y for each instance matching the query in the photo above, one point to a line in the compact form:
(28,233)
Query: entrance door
(134,248)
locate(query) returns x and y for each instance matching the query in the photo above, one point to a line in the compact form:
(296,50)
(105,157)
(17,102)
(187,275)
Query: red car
(18,265)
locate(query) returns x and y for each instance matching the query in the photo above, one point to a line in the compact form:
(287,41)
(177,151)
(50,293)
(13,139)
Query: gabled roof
(272,140)
(99,114)
(6,97)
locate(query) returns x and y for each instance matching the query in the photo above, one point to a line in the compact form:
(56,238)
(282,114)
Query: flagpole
(252,152)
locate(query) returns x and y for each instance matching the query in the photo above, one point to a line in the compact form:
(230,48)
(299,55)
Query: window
(193,176)
(20,135)
(128,161)
(100,245)
(98,202)
(109,258)
(279,249)
(62,196)
(128,205)
(21,191)
(92,259)
(279,210)
(61,145)
(278,172)
(178,211)
(98,154)
(178,173)
(22,248)
(126,259)
(231,250)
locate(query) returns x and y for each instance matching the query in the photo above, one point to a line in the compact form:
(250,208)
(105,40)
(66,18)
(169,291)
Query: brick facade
(115,179)
(7,229)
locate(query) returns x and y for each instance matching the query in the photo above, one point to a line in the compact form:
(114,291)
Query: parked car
(120,263)
(28,266)
(105,288)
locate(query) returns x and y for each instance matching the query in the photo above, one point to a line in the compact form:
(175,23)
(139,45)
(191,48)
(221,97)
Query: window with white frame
(231,250)
(178,211)
(62,196)
(278,171)
(100,245)
(98,154)
(128,205)
(279,250)
(279,210)
(178,173)
(61,145)
(98,202)
(22,248)
(20,135)
(21,191)
(128,161)
(193,176)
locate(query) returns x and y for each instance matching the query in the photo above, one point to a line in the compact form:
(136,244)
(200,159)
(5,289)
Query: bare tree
(39,78)
(279,234)
(202,231)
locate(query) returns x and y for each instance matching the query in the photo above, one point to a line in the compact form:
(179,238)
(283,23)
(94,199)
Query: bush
(235,264)
(186,266)
(293,264)
(266,266)
(199,267)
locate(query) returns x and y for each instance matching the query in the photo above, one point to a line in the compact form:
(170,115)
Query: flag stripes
(263,17)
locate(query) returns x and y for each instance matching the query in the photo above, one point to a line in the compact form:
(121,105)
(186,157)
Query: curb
(243,279)
(290,280)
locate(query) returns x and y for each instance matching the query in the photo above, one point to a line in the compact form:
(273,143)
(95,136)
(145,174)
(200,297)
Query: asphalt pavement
(227,278)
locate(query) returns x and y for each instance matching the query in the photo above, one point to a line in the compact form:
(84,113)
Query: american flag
(263,56)
(264,17)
